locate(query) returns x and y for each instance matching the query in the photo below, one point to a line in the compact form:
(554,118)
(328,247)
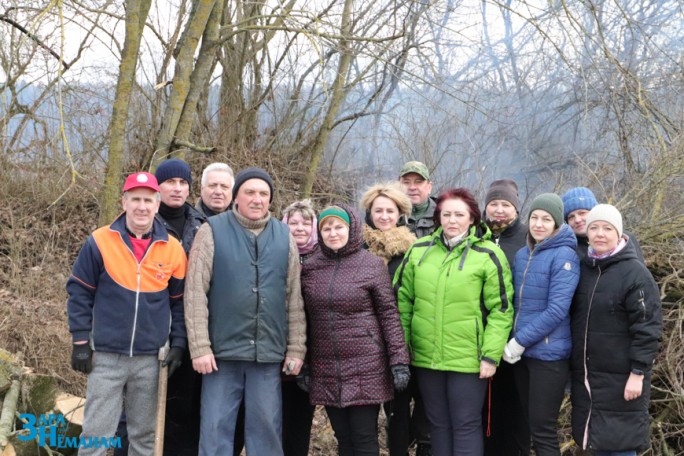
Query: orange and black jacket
(124,306)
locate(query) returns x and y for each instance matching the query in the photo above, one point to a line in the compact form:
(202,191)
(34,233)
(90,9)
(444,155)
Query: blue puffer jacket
(545,278)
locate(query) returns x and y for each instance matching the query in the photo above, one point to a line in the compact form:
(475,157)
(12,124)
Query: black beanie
(503,189)
(173,168)
(252,173)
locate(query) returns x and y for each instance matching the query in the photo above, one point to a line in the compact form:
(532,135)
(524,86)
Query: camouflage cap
(415,167)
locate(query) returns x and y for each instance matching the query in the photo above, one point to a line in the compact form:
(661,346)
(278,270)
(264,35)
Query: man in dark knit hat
(245,318)
(180,218)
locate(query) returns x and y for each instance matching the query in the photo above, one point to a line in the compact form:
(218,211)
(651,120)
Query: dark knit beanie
(252,173)
(551,203)
(173,168)
(578,198)
(504,189)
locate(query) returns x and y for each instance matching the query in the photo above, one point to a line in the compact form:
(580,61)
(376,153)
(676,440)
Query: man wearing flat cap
(414,178)
(125,304)
(245,318)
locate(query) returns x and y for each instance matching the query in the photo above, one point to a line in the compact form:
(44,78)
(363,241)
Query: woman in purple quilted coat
(356,346)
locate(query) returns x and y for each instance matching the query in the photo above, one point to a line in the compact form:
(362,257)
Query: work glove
(400,376)
(82,358)
(173,359)
(513,351)
(303,379)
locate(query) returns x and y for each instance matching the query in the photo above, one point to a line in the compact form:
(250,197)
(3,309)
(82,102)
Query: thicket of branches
(332,96)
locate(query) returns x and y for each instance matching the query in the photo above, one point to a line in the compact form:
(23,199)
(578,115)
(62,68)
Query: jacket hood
(628,252)
(564,237)
(355,235)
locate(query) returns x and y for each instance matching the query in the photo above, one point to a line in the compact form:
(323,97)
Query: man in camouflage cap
(414,178)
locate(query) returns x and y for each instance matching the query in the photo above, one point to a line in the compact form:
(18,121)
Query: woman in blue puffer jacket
(546,274)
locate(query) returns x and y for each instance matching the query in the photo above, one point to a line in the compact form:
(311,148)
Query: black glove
(173,359)
(401,376)
(303,379)
(82,358)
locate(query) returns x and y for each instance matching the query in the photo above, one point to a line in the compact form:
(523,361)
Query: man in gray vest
(245,318)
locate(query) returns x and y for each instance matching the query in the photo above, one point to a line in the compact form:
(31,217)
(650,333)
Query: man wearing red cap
(125,303)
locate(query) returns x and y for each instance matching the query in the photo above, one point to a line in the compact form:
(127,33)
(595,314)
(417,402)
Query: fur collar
(390,243)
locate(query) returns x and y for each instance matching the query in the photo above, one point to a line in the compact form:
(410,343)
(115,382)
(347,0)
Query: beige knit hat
(606,213)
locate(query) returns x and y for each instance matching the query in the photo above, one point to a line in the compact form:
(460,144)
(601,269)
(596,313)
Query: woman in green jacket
(454,292)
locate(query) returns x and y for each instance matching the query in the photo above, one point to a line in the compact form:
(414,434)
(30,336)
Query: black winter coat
(353,324)
(616,327)
(511,239)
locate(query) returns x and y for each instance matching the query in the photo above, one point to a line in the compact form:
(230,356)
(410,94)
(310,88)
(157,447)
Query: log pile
(29,400)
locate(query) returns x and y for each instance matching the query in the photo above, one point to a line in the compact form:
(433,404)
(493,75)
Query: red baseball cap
(141,179)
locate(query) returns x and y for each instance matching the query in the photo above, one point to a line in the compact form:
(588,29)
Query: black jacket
(616,327)
(193,221)
(511,239)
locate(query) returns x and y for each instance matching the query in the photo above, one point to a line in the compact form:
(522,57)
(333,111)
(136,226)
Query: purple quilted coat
(354,332)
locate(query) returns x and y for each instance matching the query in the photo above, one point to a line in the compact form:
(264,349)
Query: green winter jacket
(455,306)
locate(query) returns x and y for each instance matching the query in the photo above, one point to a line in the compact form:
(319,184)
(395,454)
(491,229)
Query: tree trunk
(202,72)
(136,15)
(336,96)
(182,78)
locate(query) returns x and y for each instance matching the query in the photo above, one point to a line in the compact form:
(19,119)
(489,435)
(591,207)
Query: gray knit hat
(606,213)
(503,189)
(551,203)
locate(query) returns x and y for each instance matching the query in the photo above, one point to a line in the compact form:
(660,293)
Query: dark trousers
(403,427)
(356,429)
(541,385)
(453,402)
(181,429)
(297,416)
(509,432)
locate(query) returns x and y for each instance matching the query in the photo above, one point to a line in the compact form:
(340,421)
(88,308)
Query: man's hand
(82,357)
(173,359)
(205,364)
(292,366)
(634,386)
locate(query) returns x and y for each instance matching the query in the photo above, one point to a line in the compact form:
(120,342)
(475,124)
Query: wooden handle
(161,411)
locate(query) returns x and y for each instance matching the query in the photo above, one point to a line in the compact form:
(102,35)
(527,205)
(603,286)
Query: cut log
(72,407)
(9,451)
(9,408)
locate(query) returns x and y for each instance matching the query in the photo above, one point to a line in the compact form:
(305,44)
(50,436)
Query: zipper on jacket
(332,329)
(258,299)
(135,315)
(522,285)
(137,288)
(477,338)
(587,386)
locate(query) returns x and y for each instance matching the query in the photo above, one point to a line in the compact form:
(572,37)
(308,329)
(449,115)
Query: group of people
(464,325)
